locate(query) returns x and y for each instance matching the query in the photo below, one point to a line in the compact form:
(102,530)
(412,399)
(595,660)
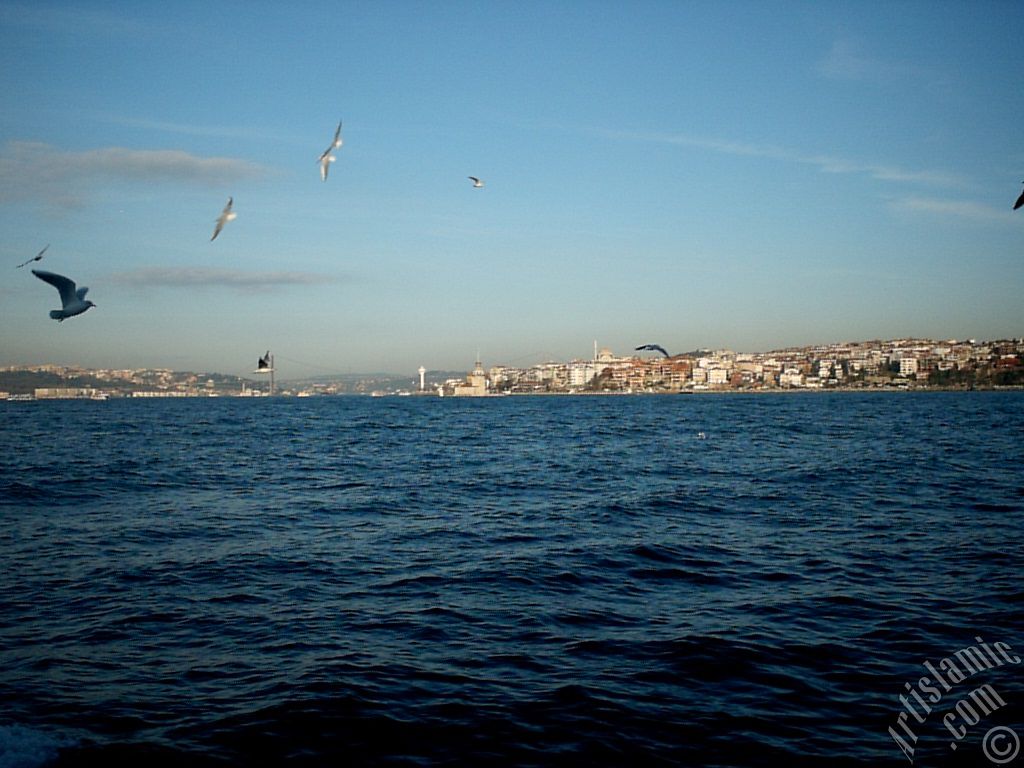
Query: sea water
(708,580)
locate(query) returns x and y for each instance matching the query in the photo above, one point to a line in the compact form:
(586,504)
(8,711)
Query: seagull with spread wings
(328,154)
(225,216)
(72,298)
(653,348)
(37,257)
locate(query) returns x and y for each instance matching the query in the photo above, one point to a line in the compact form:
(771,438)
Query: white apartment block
(718,376)
(582,372)
(791,377)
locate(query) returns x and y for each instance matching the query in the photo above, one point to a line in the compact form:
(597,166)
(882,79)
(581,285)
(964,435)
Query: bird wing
(1020,201)
(653,348)
(335,143)
(37,257)
(224,216)
(64,285)
(80,293)
(474,179)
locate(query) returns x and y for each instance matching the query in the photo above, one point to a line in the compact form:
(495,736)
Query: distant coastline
(906,364)
(811,393)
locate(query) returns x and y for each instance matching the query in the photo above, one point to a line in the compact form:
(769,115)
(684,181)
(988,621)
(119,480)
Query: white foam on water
(24,747)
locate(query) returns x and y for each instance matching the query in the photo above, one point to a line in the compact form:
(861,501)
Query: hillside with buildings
(899,363)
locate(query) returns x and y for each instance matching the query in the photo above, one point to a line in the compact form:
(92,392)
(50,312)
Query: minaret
(423,372)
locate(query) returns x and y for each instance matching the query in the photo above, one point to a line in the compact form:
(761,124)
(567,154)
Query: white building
(718,376)
(475,384)
(582,372)
(791,377)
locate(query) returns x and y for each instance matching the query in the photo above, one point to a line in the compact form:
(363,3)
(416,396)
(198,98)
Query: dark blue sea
(706,580)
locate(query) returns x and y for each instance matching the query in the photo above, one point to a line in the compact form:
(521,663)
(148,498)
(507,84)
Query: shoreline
(727,392)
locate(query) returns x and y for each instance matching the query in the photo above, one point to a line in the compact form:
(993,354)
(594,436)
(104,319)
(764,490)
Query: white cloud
(824,163)
(965,209)
(847,60)
(206,277)
(33,171)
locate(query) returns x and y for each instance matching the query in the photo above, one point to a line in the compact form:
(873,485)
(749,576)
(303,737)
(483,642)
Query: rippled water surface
(706,580)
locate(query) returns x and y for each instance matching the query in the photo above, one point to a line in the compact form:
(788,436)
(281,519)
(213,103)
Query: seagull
(477,184)
(328,154)
(37,257)
(1018,204)
(653,348)
(73,300)
(325,163)
(225,216)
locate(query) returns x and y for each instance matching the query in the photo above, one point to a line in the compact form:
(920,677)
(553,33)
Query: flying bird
(73,300)
(225,216)
(37,257)
(476,182)
(328,154)
(653,348)
(1020,200)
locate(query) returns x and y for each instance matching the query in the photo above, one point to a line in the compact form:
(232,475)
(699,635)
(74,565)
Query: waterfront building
(791,377)
(64,393)
(718,377)
(582,372)
(475,384)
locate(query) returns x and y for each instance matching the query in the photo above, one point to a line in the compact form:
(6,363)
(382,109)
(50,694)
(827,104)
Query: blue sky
(748,175)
